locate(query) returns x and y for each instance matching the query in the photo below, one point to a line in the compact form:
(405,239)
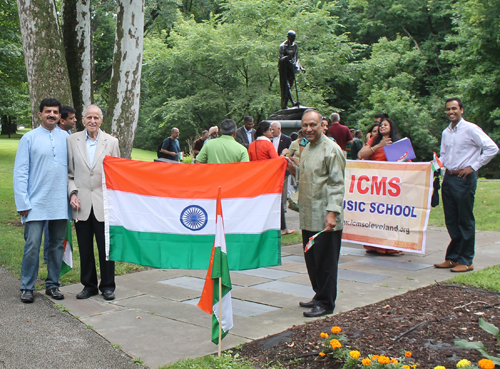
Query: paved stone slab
(157,340)
(191,283)
(391,263)
(266,273)
(267,297)
(243,308)
(351,275)
(85,308)
(293,258)
(345,250)
(286,288)
(168,309)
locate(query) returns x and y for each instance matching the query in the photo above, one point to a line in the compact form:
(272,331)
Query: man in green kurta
(224,149)
(321,196)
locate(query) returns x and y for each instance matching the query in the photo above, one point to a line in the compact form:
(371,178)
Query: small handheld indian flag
(67,261)
(216,296)
(436,163)
(311,240)
(403,158)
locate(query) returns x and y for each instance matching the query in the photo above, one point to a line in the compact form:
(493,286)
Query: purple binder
(396,150)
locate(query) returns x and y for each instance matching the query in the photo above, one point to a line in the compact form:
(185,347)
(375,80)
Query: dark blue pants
(458,203)
(322,261)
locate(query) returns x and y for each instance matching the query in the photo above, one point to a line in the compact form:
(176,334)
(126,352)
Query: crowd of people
(56,171)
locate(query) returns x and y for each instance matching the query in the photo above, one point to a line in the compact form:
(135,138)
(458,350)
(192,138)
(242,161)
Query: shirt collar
(87,137)
(457,126)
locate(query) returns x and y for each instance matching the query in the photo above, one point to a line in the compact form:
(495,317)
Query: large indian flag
(163,214)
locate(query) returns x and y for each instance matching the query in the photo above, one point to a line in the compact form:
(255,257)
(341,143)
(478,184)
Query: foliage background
(207,60)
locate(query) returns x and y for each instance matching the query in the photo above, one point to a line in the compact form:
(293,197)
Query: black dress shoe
(308,304)
(316,312)
(27,296)
(54,293)
(85,294)
(108,295)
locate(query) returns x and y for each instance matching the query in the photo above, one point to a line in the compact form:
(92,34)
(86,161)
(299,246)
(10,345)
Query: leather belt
(452,172)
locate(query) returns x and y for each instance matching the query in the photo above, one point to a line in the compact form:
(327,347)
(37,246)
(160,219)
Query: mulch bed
(425,322)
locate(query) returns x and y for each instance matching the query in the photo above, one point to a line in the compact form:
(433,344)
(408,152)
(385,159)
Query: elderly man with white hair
(86,151)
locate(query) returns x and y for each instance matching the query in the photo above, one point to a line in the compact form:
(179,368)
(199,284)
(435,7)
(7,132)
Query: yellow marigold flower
(323,335)
(486,364)
(335,344)
(336,330)
(322,354)
(394,361)
(439,367)
(463,363)
(408,354)
(383,359)
(405,367)
(366,362)
(355,354)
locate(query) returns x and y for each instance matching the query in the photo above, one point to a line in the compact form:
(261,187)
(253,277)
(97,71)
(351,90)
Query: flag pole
(220,301)
(220,315)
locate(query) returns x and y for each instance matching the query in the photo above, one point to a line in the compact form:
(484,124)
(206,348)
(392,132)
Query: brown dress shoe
(447,264)
(462,268)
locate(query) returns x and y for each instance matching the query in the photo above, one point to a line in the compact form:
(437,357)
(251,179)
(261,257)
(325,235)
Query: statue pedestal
(294,113)
(290,119)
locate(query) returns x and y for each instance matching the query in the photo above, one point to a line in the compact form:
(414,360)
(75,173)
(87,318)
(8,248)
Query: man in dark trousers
(321,196)
(340,133)
(464,149)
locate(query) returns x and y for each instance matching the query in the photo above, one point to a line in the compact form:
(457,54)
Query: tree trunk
(125,89)
(43,54)
(77,36)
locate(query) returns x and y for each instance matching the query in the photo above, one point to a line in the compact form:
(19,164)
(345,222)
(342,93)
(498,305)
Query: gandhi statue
(288,66)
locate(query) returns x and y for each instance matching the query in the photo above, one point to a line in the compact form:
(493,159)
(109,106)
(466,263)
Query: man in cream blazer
(86,151)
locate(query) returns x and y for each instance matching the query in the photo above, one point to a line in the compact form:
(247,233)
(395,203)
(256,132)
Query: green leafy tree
(227,66)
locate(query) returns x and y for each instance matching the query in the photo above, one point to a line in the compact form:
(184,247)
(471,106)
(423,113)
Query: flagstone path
(155,317)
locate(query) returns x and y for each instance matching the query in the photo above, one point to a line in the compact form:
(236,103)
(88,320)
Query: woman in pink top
(262,148)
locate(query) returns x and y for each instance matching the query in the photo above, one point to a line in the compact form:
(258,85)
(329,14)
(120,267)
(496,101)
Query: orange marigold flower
(355,354)
(383,359)
(366,362)
(375,357)
(322,354)
(335,344)
(336,330)
(408,354)
(394,361)
(323,335)
(486,364)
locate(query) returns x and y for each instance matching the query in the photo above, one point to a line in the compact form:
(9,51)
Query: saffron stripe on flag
(193,181)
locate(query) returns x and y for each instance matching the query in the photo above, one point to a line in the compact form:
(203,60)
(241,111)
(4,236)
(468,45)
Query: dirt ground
(425,322)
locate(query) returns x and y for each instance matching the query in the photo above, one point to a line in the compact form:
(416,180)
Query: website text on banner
(387,204)
(163,214)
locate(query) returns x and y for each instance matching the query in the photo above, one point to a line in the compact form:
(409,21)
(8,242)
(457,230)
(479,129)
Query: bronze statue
(288,66)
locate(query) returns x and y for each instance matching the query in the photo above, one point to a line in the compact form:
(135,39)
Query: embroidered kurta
(41,175)
(321,181)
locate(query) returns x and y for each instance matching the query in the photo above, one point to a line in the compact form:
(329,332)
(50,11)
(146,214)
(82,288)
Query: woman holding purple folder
(374,150)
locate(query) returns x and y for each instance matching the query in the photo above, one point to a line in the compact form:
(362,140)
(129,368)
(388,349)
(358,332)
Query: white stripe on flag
(227,311)
(162,214)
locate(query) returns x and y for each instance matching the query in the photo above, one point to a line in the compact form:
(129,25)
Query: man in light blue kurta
(40,182)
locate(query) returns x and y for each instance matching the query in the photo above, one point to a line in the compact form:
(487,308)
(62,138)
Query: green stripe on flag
(175,251)
(68,250)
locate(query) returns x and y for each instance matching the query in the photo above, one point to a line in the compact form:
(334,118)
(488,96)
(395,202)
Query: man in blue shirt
(40,182)
(170,146)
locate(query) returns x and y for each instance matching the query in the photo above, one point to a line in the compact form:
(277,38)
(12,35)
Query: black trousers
(322,262)
(85,232)
(458,204)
